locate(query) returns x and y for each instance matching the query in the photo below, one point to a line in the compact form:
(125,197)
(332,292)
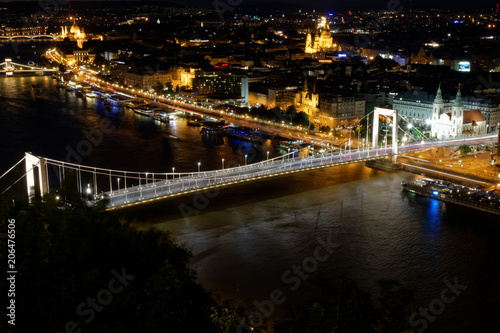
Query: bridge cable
(6,172)
(20,178)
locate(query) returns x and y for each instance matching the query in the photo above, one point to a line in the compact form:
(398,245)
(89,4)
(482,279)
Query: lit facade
(321,40)
(308,101)
(221,83)
(146,80)
(182,77)
(418,107)
(75,33)
(337,110)
(457,122)
(72,57)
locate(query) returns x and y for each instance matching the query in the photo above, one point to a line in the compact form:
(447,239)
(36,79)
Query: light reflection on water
(243,250)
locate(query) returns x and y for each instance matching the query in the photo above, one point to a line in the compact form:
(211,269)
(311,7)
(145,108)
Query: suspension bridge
(9,68)
(126,188)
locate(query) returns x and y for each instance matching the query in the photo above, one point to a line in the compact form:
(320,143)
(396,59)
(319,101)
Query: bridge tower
(388,113)
(32,163)
(9,70)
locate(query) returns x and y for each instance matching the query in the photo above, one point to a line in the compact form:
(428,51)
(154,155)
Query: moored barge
(487,201)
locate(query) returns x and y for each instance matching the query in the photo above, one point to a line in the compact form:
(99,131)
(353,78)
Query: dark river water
(245,239)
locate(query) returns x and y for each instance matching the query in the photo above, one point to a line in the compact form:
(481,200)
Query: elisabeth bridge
(127,188)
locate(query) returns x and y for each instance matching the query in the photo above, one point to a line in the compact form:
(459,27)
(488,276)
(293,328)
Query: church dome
(325,33)
(74,29)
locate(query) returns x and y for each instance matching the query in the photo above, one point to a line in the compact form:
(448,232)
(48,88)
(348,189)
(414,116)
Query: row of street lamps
(89,191)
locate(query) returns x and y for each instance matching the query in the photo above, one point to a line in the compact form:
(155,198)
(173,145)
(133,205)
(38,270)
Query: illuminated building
(418,106)
(143,79)
(321,40)
(422,57)
(221,83)
(308,101)
(456,122)
(182,77)
(281,97)
(340,110)
(70,56)
(75,34)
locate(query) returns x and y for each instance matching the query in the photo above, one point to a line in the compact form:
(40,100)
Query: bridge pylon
(9,69)
(388,113)
(33,162)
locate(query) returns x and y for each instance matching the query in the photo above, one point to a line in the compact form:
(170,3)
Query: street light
(268,155)
(173,173)
(246,159)
(199,164)
(222,164)
(118,185)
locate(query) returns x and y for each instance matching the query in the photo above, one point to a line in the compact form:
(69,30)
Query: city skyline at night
(232,166)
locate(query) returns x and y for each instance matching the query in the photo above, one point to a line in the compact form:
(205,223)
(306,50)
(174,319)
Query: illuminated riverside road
(177,183)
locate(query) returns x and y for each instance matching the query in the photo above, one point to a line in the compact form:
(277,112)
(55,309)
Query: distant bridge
(30,37)
(9,68)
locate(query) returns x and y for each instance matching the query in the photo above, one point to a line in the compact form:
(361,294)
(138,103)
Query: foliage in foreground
(339,305)
(80,267)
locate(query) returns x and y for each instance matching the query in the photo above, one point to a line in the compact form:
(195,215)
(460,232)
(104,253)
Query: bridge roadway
(183,183)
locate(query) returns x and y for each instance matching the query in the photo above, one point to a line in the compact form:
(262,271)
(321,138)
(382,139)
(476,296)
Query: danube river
(246,239)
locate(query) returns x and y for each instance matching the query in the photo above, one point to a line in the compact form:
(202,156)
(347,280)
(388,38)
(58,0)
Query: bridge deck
(190,183)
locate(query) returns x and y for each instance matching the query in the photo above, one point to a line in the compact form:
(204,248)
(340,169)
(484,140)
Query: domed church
(75,33)
(321,40)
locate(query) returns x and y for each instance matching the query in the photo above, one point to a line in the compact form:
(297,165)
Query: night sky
(338,4)
(362,4)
